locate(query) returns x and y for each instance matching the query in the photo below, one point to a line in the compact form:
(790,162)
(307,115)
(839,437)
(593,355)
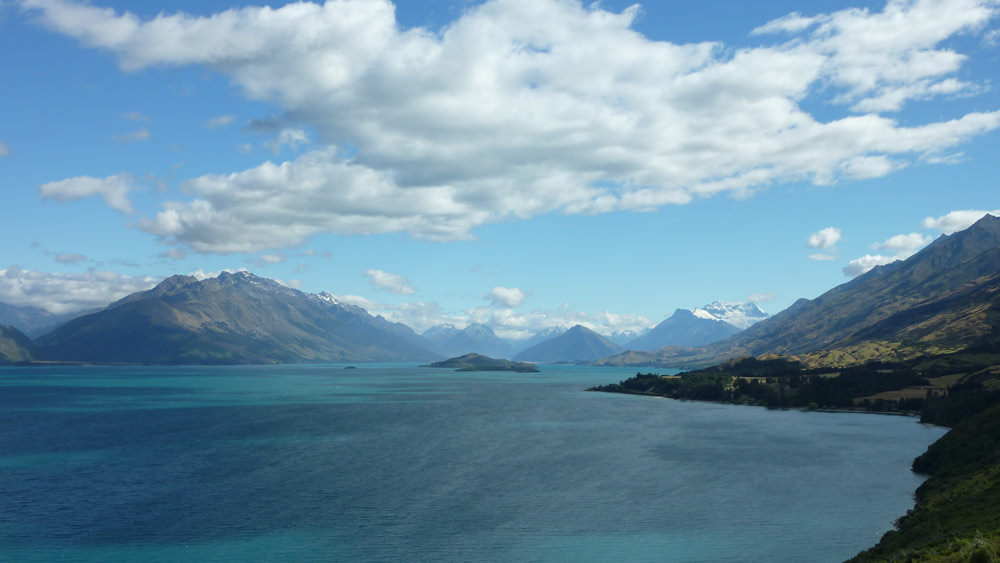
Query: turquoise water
(400,463)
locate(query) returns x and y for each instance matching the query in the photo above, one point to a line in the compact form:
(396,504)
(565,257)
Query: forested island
(957,513)
(478,362)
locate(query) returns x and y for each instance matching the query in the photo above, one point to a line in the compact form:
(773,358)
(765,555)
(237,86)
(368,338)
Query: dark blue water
(398,463)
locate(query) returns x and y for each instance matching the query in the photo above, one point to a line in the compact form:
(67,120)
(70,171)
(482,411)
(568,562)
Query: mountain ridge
(904,306)
(234,318)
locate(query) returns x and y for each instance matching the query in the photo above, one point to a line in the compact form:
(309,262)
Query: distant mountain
(235,318)
(684,328)
(578,344)
(740,315)
(518,346)
(32,321)
(944,298)
(476,338)
(14,346)
(623,337)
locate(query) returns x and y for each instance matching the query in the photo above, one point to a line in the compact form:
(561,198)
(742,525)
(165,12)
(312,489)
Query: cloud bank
(525,107)
(68,293)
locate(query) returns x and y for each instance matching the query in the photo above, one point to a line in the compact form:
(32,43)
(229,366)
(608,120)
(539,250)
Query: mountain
(740,315)
(623,337)
(235,318)
(684,328)
(518,346)
(32,321)
(578,344)
(14,346)
(450,341)
(944,298)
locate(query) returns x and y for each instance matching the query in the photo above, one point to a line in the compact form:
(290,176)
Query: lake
(401,463)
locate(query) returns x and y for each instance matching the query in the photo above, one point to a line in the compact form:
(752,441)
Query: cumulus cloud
(67,293)
(524,107)
(113,190)
(957,220)
(4,149)
(508,323)
(220,121)
(826,238)
(392,283)
(903,245)
(861,265)
(509,297)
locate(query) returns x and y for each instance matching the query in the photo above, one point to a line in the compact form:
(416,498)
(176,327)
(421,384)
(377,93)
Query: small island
(478,362)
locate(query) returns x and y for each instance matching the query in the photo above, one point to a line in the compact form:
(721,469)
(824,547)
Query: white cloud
(220,121)
(271,258)
(524,107)
(392,283)
(761,297)
(4,149)
(113,190)
(509,297)
(903,245)
(826,238)
(290,137)
(861,265)
(823,257)
(133,136)
(66,293)
(957,220)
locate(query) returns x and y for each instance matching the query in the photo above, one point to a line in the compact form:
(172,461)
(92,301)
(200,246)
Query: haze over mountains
(944,298)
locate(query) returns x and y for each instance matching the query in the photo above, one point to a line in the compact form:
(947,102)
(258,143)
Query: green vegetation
(15,347)
(478,362)
(784,383)
(957,515)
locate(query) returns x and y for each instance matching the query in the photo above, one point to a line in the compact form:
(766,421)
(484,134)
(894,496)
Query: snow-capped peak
(703,314)
(328,298)
(741,315)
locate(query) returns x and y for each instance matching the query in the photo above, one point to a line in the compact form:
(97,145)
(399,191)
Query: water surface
(395,462)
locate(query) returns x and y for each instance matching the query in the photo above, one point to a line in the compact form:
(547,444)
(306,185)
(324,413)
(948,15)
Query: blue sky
(520,163)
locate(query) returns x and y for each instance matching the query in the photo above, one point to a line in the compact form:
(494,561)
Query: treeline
(784,383)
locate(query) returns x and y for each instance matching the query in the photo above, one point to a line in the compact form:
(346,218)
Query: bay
(401,463)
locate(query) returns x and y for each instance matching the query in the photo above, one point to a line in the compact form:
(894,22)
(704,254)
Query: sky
(517,163)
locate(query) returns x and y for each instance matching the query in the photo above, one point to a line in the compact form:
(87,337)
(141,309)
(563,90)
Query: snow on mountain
(741,315)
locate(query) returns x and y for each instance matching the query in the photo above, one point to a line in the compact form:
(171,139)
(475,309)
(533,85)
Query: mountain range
(235,318)
(942,299)
(575,345)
